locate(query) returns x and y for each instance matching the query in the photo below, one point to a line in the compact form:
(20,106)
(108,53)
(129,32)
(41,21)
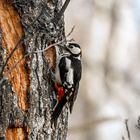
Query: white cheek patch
(75,50)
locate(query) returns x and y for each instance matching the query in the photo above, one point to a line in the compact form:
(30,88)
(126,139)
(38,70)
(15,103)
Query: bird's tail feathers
(57,110)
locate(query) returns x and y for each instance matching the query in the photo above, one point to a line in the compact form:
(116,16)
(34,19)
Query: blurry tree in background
(108,31)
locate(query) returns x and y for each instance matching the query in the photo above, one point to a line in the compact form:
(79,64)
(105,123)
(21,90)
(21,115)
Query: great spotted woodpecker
(68,74)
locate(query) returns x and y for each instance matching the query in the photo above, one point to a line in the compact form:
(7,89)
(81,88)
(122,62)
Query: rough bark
(27,96)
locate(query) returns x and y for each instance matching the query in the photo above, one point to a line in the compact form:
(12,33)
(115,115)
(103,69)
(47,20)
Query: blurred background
(109,34)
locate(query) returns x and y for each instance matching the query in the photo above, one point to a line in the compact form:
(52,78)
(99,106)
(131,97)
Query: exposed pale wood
(51,57)
(16,134)
(12,32)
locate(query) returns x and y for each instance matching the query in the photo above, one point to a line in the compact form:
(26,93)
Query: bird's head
(74,49)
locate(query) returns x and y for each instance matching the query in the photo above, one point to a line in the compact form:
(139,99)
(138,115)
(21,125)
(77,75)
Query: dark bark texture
(32,118)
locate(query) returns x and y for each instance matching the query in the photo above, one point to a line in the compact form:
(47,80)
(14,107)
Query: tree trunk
(27,96)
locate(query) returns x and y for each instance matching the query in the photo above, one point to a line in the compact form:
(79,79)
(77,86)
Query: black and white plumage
(68,75)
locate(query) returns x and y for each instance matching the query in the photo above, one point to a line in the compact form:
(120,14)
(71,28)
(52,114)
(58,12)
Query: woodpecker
(67,77)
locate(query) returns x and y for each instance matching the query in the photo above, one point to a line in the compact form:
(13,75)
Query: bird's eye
(71,46)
